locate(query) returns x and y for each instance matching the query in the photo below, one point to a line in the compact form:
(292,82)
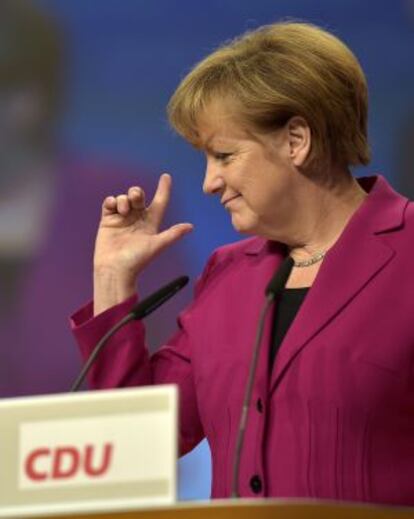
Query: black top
(286,308)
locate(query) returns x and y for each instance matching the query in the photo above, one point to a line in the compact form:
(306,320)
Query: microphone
(158,298)
(273,289)
(139,311)
(279,279)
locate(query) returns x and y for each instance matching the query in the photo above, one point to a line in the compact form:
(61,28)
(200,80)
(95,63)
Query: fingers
(123,204)
(136,197)
(135,200)
(173,234)
(109,205)
(161,198)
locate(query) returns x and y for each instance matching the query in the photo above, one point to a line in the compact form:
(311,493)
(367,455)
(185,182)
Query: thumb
(173,234)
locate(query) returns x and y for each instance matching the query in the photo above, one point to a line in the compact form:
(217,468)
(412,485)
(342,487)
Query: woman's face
(254,176)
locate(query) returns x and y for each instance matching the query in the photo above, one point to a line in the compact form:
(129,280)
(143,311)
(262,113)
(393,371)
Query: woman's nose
(213,180)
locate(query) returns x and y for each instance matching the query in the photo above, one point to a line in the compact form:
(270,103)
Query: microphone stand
(97,350)
(274,288)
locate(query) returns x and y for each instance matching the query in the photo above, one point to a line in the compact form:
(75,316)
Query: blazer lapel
(356,259)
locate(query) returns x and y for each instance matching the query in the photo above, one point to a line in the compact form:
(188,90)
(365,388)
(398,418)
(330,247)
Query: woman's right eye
(222,157)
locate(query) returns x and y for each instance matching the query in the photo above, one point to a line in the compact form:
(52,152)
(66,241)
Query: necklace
(311,261)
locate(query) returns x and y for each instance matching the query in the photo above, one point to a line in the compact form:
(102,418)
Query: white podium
(90,451)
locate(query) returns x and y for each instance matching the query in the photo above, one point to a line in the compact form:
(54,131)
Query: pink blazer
(335,418)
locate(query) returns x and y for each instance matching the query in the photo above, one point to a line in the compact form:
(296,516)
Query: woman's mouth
(228,200)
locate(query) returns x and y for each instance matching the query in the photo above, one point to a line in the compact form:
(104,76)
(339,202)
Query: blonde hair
(278,71)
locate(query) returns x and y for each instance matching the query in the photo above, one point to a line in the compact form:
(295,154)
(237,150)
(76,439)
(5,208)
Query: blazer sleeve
(125,360)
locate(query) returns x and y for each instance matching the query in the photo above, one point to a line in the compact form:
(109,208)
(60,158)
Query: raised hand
(128,238)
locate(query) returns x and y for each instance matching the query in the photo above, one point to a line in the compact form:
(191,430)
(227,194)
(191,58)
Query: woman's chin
(243,225)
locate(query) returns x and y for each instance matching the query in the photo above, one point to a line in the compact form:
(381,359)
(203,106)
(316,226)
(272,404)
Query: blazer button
(256,484)
(259,405)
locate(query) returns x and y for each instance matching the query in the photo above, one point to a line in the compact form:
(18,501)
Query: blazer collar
(383,209)
(350,265)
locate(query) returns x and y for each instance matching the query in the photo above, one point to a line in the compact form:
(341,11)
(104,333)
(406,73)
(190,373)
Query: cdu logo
(68,461)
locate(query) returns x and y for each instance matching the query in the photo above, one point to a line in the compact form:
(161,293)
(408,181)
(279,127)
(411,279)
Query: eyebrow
(207,144)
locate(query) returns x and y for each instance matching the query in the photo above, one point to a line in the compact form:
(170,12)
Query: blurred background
(83,90)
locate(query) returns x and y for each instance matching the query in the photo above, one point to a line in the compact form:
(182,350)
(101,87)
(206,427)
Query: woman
(281,114)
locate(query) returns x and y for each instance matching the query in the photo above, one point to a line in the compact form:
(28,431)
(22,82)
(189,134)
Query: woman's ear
(299,135)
